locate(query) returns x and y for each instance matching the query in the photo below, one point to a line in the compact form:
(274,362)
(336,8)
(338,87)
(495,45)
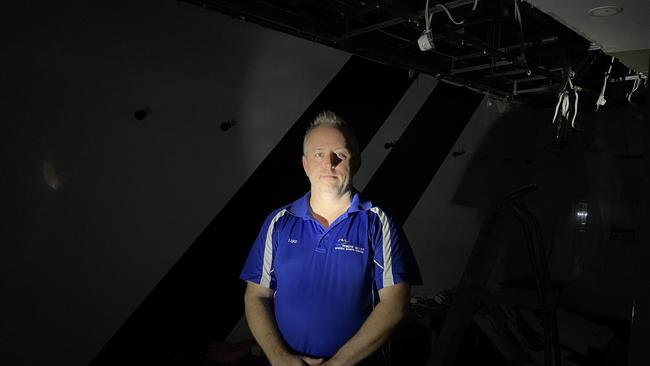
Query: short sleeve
(258,268)
(393,257)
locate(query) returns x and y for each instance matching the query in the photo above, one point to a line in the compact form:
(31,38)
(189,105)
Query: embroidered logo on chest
(344,244)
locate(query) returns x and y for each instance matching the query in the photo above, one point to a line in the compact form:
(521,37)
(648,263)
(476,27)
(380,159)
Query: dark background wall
(601,167)
(132,195)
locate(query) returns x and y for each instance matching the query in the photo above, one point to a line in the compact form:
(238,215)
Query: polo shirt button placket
(320,247)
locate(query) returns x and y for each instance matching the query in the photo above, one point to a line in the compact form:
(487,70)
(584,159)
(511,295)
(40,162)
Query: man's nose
(332,160)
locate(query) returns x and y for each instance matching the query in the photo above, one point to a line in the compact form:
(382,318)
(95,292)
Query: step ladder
(473,291)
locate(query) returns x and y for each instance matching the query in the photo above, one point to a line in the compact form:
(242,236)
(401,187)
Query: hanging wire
(428,16)
(521,37)
(635,86)
(564,101)
(601,98)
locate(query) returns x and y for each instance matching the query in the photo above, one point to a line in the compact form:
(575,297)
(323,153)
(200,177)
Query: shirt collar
(300,207)
(357,204)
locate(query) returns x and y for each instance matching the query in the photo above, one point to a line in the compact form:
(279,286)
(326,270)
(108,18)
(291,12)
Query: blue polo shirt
(326,280)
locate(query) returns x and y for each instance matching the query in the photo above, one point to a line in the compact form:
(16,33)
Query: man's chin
(332,189)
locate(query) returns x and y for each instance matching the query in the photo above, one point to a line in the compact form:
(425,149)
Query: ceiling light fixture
(605,11)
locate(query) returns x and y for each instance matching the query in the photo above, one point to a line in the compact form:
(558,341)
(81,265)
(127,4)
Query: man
(328,276)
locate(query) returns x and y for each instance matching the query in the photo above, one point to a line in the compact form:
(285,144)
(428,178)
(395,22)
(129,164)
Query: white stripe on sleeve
(387,277)
(268,252)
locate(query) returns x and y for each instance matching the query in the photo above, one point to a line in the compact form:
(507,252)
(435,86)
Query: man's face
(327,160)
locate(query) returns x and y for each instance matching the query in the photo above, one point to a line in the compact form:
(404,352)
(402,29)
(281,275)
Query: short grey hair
(331,119)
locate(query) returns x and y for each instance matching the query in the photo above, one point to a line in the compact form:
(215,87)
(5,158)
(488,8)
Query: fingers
(313,361)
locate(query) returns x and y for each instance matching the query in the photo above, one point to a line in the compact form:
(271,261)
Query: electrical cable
(449,15)
(564,100)
(601,98)
(425,41)
(635,86)
(521,37)
(428,17)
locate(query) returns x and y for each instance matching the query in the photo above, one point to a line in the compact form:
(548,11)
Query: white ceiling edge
(627,31)
(638,60)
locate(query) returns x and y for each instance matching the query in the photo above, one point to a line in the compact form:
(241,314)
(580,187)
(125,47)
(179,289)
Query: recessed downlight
(605,11)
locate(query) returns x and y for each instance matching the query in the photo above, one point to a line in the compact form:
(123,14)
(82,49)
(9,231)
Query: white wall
(132,195)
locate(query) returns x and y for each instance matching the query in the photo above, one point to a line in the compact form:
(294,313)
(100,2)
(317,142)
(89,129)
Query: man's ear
(304,164)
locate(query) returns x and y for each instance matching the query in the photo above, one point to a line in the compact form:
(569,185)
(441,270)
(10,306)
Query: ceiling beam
(404,16)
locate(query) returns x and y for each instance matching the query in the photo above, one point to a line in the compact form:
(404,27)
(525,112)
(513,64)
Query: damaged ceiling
(504,48)
(624,34)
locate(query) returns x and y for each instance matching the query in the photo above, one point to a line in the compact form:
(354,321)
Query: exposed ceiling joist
(488,48)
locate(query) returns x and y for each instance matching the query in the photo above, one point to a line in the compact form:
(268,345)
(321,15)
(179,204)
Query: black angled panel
(408,169)
(201,298)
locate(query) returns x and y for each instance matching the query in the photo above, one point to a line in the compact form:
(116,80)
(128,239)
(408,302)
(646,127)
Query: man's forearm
(262,324)
(374,332)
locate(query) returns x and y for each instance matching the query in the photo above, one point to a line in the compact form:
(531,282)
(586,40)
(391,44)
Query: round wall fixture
(605,11)
(140,114)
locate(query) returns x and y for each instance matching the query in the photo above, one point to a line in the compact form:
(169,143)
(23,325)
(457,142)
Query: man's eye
(318,155)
